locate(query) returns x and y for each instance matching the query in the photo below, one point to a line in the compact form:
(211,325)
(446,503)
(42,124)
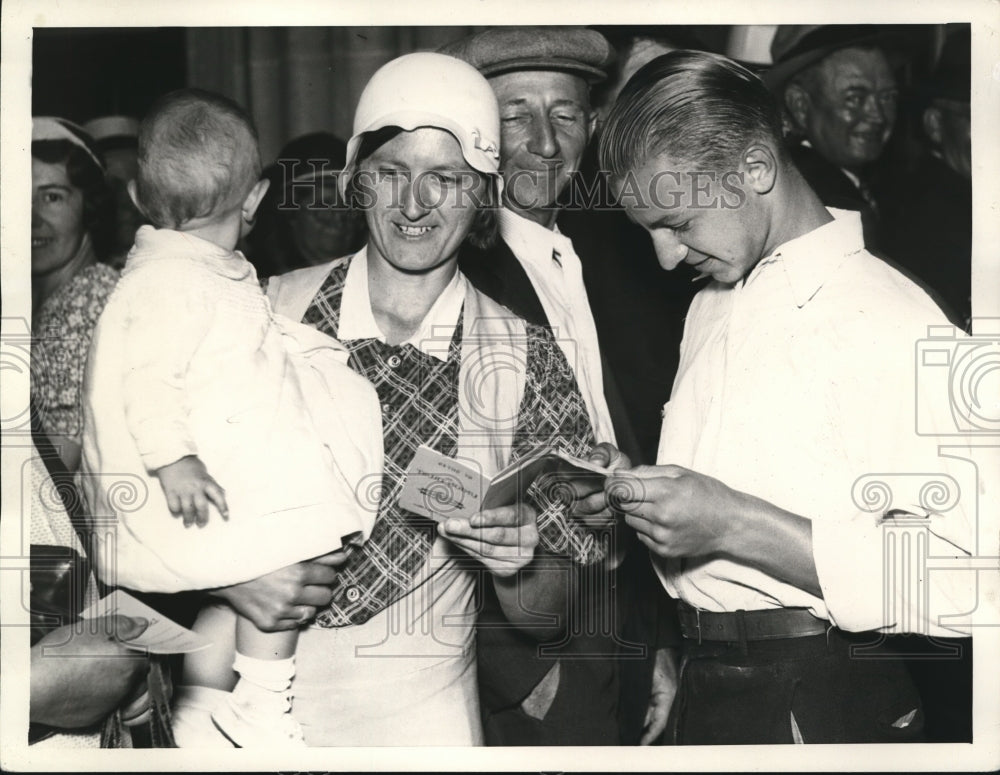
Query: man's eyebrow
(514,102)
(60,186)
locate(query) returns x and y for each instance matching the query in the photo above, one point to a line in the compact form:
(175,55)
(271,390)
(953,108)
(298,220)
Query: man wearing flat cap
(542,76)
(567,694)
(840,93)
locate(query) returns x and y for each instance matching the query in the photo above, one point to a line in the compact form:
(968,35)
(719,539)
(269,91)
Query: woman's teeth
(413,231)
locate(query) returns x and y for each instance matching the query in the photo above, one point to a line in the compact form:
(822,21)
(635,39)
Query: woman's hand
(287,598)
(80,676)
(503,539)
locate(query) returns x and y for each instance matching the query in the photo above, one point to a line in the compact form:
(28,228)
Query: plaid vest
(489,348)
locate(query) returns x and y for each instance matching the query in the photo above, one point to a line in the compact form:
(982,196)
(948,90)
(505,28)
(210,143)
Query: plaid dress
(419,398)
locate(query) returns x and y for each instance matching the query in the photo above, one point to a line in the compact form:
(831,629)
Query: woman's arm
(534,549)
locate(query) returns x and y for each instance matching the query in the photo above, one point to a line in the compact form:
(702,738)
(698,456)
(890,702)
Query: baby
(203,404)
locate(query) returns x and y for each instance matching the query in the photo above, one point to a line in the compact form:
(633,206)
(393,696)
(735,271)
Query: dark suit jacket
(929,235)
(605,680)
(835,189)
(497,273)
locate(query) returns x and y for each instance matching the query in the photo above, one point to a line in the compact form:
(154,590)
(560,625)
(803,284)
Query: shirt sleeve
(898,560)
(168,319)
(553,414)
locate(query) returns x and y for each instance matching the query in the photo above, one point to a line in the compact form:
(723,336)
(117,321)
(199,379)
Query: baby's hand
(189,489)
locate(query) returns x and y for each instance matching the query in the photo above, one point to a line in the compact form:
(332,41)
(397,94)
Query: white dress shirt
(799,386)
(559,285)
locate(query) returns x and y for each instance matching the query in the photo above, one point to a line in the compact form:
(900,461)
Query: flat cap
(575,50)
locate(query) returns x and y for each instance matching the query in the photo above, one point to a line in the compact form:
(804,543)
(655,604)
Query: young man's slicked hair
(198,157)
(700,109)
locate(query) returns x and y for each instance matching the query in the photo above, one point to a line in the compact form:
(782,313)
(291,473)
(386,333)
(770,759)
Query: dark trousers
(584,712)
(814,689)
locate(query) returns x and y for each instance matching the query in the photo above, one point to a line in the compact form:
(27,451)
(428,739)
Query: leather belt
(745,626)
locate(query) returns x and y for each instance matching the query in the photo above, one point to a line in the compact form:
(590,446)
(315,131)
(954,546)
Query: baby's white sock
(192,717)
(264,683)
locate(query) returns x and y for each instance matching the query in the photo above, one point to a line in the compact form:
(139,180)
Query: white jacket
(188,359)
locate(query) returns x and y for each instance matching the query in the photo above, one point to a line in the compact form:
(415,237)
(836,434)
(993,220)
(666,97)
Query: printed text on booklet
(440,487)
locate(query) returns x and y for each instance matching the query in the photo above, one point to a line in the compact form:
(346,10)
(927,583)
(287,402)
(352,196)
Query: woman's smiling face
(56,217)
(423,198)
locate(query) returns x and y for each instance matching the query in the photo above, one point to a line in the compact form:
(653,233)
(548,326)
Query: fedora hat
(797,46)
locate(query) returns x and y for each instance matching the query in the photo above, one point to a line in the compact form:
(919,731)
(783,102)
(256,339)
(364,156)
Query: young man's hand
(592,505)
(189,490)
(677,512)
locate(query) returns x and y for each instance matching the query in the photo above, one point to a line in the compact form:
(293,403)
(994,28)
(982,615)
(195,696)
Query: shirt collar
(529,240)
(152,244)
(850,175)
(809,260)
(436,329)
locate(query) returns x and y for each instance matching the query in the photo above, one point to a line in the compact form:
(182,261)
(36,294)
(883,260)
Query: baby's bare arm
(189,489)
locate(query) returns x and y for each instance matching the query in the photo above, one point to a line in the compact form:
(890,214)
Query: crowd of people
(703,276)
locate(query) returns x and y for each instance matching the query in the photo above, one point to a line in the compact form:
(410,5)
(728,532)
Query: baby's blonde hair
(198,158)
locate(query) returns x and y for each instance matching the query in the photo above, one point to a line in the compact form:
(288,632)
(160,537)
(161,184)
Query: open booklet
(162,636)
(439,487)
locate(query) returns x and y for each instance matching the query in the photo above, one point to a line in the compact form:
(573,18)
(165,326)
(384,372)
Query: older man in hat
(595,687)
(840,93)
(541,77)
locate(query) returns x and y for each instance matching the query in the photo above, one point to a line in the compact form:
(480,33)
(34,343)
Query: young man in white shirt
(796,392)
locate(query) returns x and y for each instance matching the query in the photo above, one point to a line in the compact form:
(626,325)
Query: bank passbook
(439,487)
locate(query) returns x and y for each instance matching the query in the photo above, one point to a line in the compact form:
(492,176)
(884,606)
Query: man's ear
(798,103)
(759,166)
(254,198)
(932,121)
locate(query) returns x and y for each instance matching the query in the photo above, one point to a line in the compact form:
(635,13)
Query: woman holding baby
(388,657)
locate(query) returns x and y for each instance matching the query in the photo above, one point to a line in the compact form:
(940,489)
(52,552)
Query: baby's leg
(207,679)
(258,713)
(213,667)
(269,646)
